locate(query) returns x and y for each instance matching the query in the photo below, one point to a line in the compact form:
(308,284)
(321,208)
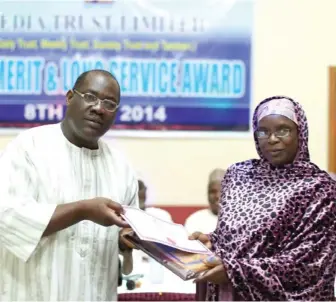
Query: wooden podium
(332,120)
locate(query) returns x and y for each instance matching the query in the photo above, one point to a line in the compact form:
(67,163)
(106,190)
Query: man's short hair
(81,79)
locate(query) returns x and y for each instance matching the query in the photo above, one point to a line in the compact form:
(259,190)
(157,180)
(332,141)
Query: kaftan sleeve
(22,219)
(304,270)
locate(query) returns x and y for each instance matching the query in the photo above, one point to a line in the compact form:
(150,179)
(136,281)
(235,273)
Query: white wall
(293,47)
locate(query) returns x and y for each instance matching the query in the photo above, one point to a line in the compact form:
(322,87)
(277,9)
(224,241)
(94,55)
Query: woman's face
(278,139)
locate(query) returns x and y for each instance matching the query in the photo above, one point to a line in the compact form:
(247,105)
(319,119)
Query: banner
(183,66)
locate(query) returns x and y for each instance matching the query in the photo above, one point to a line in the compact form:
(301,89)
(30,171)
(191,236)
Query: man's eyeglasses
(91,99)
(265,134)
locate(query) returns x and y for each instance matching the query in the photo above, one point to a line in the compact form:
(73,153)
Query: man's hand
(201,237)
(103,211)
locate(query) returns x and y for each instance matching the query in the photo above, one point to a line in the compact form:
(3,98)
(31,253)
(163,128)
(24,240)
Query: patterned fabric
(280,106)
(39,170)
(276,232)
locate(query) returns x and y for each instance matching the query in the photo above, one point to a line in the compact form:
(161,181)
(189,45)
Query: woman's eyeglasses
(265,134)
(91,99)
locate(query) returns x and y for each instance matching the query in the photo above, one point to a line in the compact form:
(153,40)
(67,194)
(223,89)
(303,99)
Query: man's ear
(70,94)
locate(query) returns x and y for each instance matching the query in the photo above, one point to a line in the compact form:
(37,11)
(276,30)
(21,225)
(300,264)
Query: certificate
(149,228)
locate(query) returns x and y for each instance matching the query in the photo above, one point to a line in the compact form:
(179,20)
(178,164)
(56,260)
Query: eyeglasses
(265,134)
(91,99)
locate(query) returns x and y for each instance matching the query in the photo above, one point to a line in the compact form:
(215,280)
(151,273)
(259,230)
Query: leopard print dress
(276,231)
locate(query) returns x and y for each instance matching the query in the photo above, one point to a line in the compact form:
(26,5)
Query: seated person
(205,220)
(157,212)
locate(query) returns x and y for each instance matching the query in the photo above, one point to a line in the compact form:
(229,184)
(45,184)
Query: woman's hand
(217,274)
(201,237)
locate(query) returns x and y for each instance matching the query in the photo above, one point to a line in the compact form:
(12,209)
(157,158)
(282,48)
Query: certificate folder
(184,264)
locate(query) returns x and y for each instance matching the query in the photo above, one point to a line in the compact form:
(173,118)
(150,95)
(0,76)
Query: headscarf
(281,106)
(276,232)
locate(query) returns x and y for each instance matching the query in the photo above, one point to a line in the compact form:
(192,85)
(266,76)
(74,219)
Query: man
(205,221)
(61,188)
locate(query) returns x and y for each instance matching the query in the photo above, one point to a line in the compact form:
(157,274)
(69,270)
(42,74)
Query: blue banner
(181,65)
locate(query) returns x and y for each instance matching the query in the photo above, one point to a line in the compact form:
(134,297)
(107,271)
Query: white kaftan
(203,221)
(39,170)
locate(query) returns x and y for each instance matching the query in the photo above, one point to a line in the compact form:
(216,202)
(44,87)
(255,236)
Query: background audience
(205,220)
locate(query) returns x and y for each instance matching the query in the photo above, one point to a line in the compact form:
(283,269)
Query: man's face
(90,121)
(214,191)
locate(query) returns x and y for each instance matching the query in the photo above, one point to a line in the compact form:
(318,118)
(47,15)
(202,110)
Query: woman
(276,232)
